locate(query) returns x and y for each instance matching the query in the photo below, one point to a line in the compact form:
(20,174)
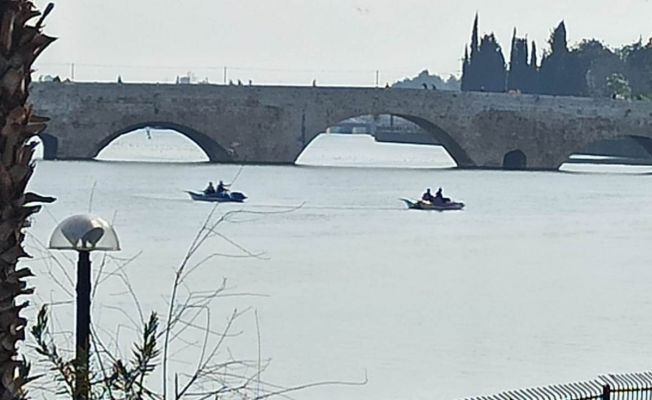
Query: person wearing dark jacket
(439,197)
(427,196)
(222,188)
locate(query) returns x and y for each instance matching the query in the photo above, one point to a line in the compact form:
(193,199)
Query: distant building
(49,78)
(184,80)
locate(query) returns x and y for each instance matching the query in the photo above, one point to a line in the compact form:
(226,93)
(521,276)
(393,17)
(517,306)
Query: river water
(543,278)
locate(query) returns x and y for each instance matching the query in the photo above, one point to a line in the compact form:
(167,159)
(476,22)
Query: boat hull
(232,197)
(421,205)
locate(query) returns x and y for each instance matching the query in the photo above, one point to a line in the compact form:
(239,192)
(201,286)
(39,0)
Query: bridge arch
(621,149)
(442,137)
(515,160)
(213,150)
(453,148)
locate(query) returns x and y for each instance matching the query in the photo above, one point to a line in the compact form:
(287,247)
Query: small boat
(224,197)
(426,205)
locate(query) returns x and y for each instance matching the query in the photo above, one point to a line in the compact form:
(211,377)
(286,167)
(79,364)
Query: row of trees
(587,69)
(424,80)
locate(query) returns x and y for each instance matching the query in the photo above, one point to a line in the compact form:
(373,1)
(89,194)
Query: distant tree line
(589,69)
(424,80)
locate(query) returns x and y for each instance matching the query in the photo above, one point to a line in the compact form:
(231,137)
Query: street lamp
(83,233)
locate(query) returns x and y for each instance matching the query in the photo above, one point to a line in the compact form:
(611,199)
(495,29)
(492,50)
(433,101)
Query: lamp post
(84,234)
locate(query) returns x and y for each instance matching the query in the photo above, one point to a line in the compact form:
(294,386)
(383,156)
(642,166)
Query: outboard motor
(237,196)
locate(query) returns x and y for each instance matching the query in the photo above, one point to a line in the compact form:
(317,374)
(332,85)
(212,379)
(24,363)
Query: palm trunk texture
(21,41)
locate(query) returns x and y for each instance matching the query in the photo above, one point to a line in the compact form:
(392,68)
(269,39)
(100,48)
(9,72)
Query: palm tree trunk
(21,41)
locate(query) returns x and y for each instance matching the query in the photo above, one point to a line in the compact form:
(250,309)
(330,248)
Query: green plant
(127,380)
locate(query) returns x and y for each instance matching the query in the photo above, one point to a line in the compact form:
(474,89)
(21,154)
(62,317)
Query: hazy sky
(294,41)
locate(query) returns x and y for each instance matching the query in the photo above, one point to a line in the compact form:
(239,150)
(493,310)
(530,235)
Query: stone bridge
(270,124)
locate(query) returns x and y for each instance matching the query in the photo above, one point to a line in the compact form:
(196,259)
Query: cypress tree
(519,71)
(470,74)
(558,41)
(533,79)
(474,38)
(533,59)
(483,68)
(490,64)
(560,72)
(465,72)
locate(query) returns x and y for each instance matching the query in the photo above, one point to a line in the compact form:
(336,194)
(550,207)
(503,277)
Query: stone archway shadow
(457,153)
(50,146)
(644,142)
(214,151)
(626,149)
(515,160)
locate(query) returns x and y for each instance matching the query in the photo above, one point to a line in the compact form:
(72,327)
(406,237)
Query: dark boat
(426,205)
(224,197)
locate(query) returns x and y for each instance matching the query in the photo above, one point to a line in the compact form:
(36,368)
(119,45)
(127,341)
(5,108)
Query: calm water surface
(544,278)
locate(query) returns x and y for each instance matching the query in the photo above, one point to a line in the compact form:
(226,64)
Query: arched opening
(626,154)
(515,160)
(50,146)
(161,142)
(383,140)
(46,147)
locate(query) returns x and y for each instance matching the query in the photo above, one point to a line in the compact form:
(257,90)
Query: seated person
(427,196)
(210,189)
(439,197)
(222,187)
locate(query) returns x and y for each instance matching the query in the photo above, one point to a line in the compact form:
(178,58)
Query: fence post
(606,392)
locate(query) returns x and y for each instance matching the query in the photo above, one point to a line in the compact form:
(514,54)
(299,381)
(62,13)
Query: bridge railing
(631,386)
(636,386)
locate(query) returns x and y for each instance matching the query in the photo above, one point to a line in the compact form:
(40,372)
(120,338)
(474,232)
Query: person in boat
(210,189)
(439,197)
(427,196)
(222,188)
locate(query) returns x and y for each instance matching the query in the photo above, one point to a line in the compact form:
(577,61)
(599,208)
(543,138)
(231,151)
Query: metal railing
(632,386)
